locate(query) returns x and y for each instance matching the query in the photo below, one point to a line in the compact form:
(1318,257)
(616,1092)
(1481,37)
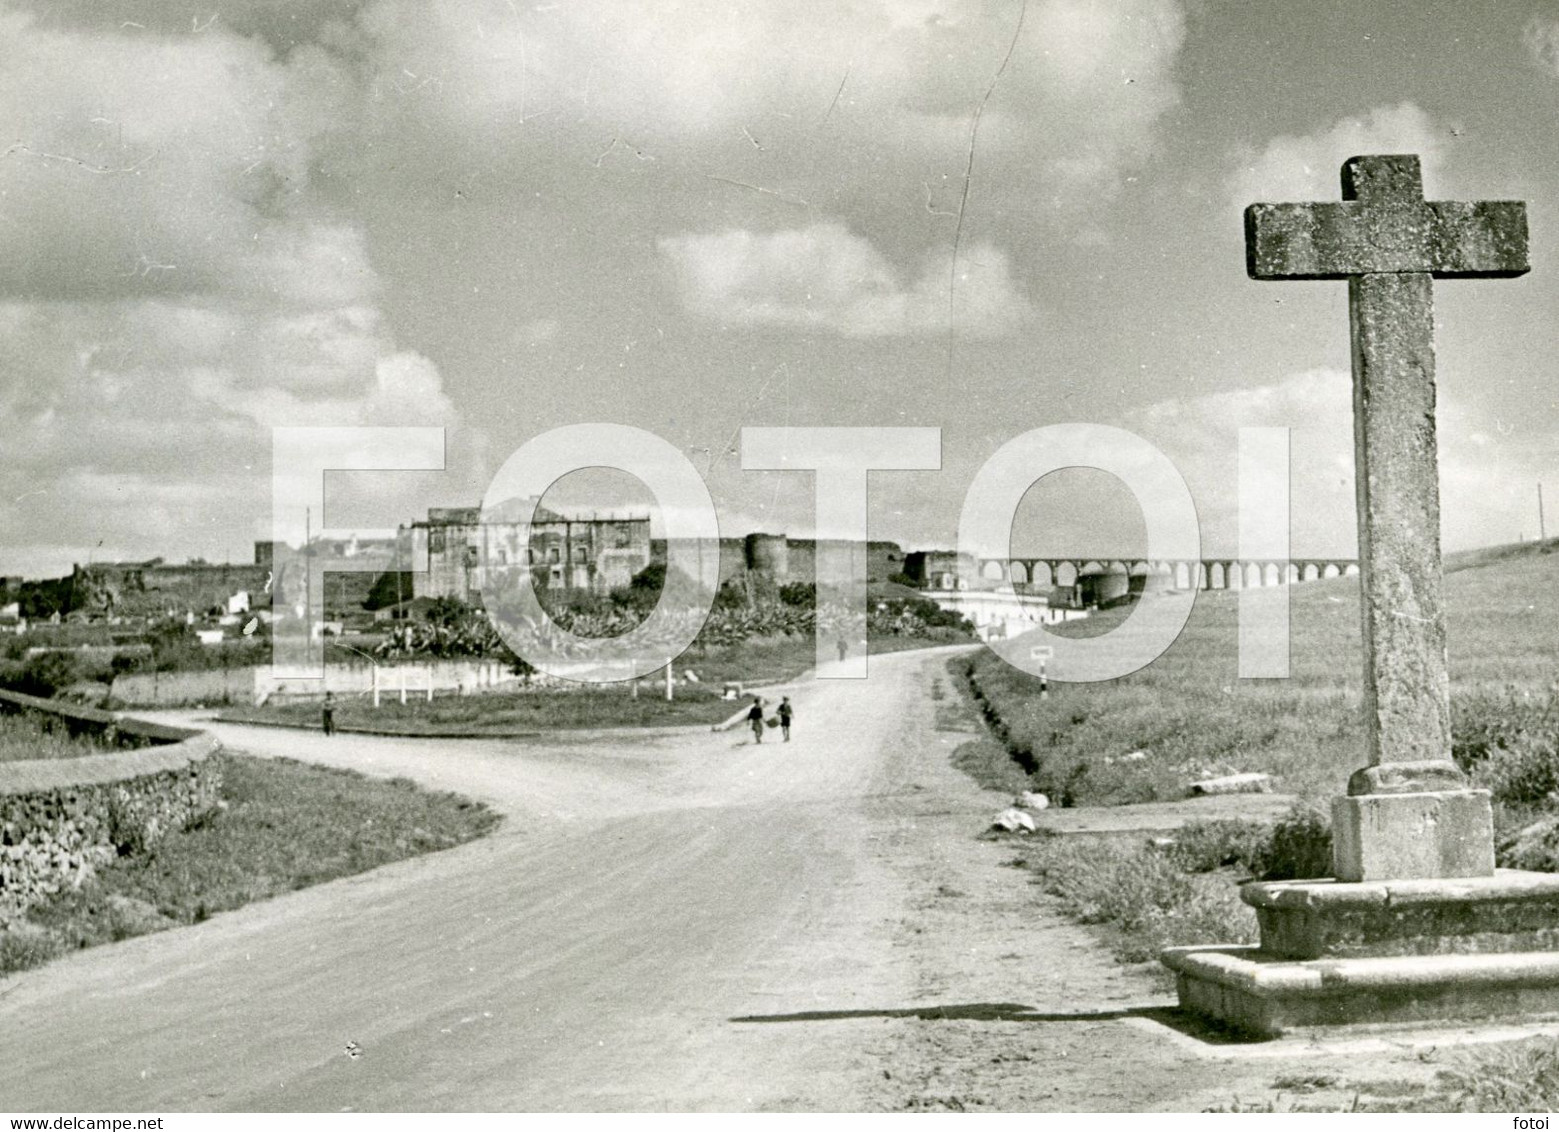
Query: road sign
(1042,652)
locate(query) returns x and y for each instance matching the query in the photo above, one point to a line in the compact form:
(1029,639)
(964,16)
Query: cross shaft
(1389,243)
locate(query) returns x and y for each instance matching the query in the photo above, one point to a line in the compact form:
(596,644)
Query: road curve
(592,953)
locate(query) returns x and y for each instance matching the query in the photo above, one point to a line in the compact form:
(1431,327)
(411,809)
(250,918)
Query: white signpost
(1043,654)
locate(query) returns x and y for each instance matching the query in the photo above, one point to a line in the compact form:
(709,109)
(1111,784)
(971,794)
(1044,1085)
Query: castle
(453,550)
(451,553)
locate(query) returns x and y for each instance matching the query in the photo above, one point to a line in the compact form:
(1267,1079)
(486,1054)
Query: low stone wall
(179,689)
(61,818)
(251,685)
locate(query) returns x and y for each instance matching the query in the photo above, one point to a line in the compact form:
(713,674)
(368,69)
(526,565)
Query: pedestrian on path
(755,719)
(327,715)
(785,712)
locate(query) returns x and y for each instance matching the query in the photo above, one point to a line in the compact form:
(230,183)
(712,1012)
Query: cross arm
(1335,240)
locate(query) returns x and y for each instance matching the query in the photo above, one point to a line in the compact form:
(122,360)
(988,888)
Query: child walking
(755,719)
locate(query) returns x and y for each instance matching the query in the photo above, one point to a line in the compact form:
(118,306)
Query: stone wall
(62,818)
(176,689)
(742,557)
(152,589)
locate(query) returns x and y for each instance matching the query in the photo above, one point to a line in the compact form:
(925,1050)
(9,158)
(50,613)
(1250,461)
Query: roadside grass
(286,825)
(1136,896)
(776,660)
(1195,718)
(1143,895)
(1515,1077)
(27,736)
(1519,1076)
(990,764)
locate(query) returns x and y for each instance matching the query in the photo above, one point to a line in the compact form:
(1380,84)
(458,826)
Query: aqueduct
(1179,573)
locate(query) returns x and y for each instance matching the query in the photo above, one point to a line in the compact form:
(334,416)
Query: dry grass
(28,736)
(1519,1077)
(1138,896)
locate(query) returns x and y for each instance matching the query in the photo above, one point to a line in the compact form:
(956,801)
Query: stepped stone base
(1264,997)
(1390,952)
(1509,911)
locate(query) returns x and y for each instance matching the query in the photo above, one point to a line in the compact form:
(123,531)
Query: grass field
(286,826)
(776,660)
(577,707)
(27,736)
(500,713)
(1194,717)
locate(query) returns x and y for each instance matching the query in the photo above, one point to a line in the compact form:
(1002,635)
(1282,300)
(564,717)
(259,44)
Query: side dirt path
(1016,1008)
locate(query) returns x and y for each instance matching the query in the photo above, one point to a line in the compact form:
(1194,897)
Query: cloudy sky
(502,216)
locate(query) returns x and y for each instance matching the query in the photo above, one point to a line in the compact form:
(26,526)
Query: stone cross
(1389,244)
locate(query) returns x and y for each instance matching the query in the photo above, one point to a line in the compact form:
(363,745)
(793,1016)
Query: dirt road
(683,921)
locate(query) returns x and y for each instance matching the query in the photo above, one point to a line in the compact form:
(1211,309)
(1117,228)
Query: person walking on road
(785,712)
(327,715)
(755,719)
(844,648)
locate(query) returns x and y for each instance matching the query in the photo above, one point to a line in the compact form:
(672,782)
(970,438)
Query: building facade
(455,553)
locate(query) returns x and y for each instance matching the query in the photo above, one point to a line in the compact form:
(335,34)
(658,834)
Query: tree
(389,588)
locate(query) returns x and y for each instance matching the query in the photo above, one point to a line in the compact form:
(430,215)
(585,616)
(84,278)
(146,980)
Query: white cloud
(1487,468)
(140,164)
(1292,168)
(1540,37)
(167,291)
(826,277)
(1079,98)
(538,332)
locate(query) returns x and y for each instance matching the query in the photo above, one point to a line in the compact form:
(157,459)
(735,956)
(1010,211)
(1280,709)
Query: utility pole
(1542,527)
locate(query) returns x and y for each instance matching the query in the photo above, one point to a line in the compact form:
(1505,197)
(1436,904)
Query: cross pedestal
(1418,924)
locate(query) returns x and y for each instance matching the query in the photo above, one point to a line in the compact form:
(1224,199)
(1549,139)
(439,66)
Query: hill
(1193,716)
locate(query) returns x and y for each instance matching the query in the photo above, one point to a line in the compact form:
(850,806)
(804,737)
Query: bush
(1300,847)
(803,594)
(1523,773)
(1484,723)
(1205,846)
(46,673)
(24,945)
(1534,847)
